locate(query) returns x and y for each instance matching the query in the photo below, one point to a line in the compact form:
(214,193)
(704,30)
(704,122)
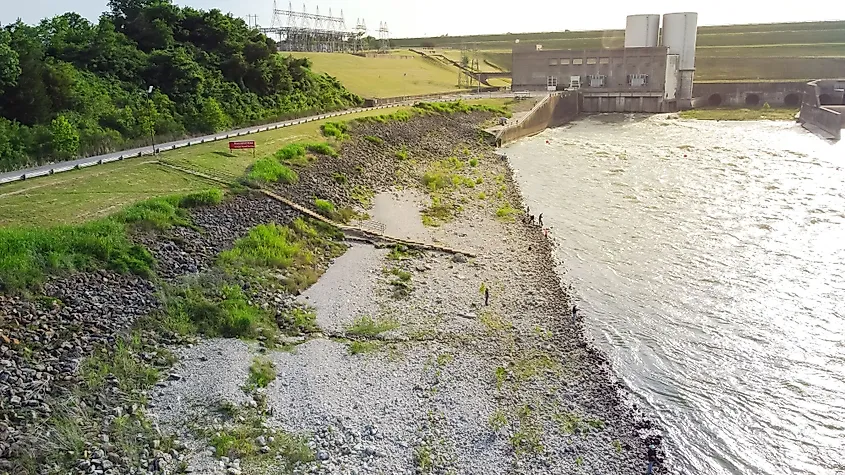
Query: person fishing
(652,459)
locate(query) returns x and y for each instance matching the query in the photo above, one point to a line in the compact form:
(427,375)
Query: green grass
(402,154)
(373,139)
(506,212)
(239,441)
(386,76)
(269,170)
(498,420)
(122,363)
(361,347)
(213,308)
(400,274)
(363,195)
(28,255)
(340,178)
(298,321)
(761,113)
(294,248)
(337,130)
(400,252)
(262,372)
(325,207)
(365,326)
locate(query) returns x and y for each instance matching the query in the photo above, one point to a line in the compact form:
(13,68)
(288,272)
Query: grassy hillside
(386,76)
(776,51)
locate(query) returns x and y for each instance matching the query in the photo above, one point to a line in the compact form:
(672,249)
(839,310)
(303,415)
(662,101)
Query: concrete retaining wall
(553,111)
(626,102)
(375,102)
(748,94)
(829,119)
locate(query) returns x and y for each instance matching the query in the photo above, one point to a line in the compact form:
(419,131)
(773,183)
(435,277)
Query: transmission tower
(310,32)
(360,34)
(384,38)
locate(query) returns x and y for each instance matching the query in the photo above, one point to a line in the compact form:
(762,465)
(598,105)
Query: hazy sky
(438,17)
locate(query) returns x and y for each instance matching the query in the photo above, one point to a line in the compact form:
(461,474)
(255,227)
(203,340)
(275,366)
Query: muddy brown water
(709,261)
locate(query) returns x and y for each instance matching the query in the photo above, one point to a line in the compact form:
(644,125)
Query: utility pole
(152,118)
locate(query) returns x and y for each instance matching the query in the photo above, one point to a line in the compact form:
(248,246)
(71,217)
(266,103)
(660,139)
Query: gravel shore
(447,383)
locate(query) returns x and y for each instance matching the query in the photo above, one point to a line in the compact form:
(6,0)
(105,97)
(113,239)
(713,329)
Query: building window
(638,80)
(604,60)
(564,61)
(551,82)
(553,62)
(597,80)
(578,61)
(592,60)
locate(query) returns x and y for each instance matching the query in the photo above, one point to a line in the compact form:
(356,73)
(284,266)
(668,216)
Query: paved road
(144,151)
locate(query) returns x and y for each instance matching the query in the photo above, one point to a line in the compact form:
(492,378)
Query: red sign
(242,145)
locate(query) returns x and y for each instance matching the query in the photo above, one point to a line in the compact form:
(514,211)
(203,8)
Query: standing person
(574,311)
(486,296)
(652,458)
(540,220)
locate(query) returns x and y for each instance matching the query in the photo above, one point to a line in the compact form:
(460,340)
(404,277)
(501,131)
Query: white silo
(679,33)
(642,30)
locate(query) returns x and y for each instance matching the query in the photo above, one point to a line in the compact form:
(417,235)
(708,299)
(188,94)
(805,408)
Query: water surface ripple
(708,258)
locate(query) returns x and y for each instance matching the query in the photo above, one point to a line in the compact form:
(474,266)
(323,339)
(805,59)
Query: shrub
(322,149)
(210,197)
(473,162)
(325,208)
(269,170)
(506,212)
(436,180)
(338,130)
(373,139)
(402,154)
(290,153)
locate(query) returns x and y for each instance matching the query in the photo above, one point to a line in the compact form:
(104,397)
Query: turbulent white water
(709,261)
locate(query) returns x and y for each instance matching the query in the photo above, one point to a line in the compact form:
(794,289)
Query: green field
(388,75)
(776,51)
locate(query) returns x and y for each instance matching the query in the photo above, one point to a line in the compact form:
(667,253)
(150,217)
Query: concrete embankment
(418,362)
(554,110)
(817,110)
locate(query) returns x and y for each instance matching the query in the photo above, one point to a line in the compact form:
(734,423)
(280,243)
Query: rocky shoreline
(408,371)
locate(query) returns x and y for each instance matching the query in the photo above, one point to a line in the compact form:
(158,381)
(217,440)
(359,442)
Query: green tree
(65,137)
(10,67)
(212,117)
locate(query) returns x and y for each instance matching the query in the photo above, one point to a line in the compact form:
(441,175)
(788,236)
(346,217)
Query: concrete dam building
(650,74)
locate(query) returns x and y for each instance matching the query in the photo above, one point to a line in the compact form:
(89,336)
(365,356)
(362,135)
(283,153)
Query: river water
(708,259)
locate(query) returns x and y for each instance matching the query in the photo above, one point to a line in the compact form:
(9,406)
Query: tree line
(70,87)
